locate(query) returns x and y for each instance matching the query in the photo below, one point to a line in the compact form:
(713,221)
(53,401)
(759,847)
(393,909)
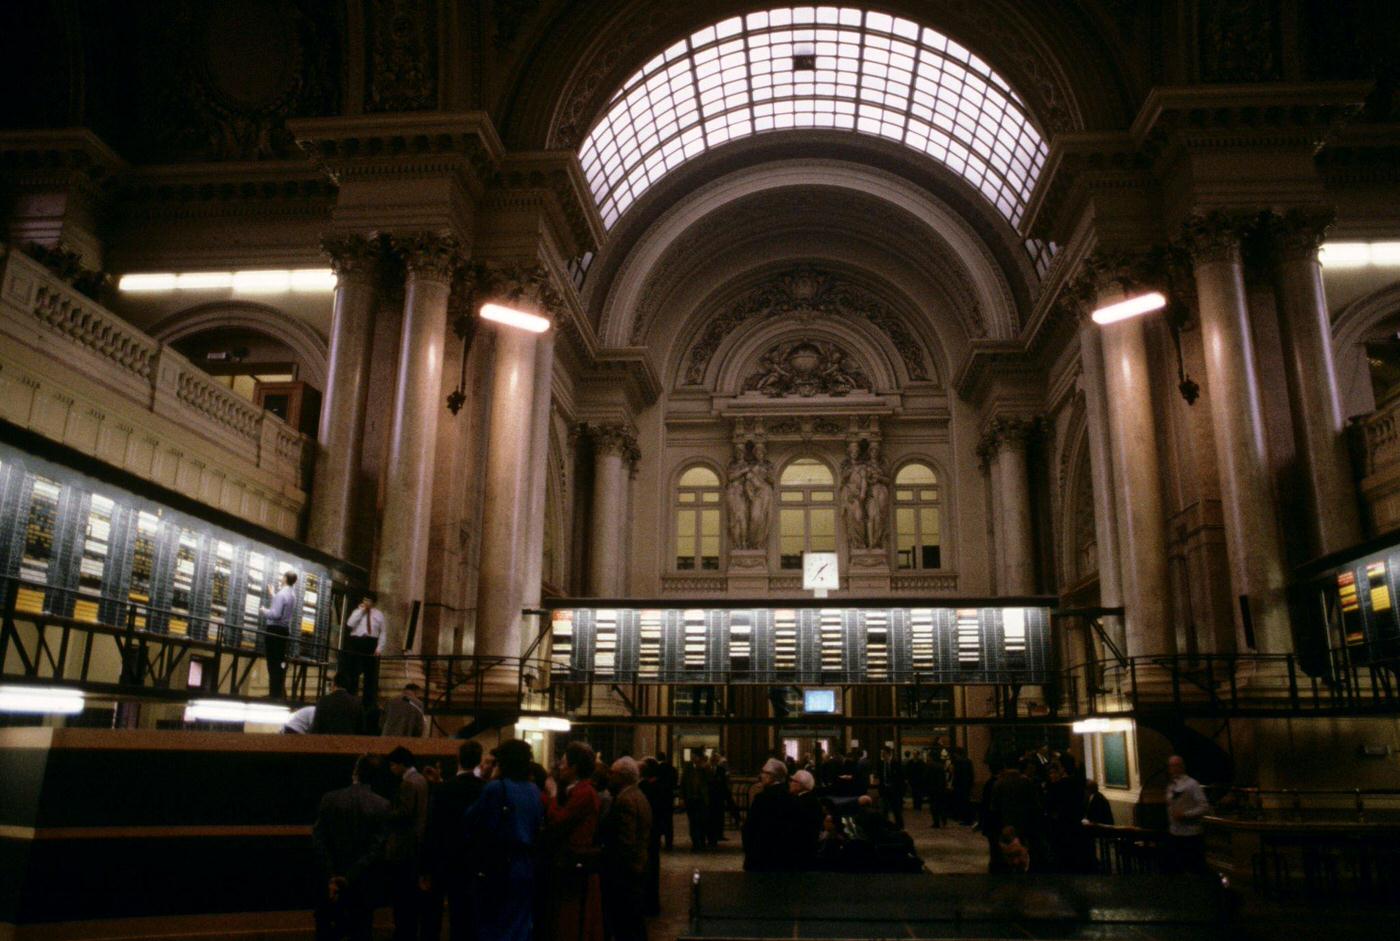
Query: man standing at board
(277,630)
(363,645)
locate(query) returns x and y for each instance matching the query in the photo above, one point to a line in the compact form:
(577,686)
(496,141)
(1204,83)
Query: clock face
(819,570)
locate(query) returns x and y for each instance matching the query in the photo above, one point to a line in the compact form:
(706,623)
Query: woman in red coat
(571,820)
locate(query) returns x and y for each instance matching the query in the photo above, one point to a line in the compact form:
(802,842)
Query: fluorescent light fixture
(1359,255)
(236,710)
(301,280)
(147,282)
(313,279)
(43,700)
(1088,726)
(261,282)
(204,280)
(1132,307)
(543,724)
(514,318)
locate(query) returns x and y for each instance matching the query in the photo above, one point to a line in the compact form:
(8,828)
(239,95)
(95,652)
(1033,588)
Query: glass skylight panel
(737,78)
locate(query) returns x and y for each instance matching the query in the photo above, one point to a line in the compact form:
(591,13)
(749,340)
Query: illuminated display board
(1344,610)
(746,643)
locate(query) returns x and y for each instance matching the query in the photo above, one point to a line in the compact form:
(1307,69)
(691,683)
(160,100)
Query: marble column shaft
(612,446)
(401,570)
(539,472)
(1306,330)
(1136,476)
(1006,441)
(1251,521)
(1096,427)
(340,438)
(506,518)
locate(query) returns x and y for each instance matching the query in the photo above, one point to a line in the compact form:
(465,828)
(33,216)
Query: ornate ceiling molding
(805,290)
(402,145)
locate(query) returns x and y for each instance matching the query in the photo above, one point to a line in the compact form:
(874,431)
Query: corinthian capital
(1006,431)
(1298,232)
(429,256)
(514,284)
(352,257)
(1217,235)
(614,439)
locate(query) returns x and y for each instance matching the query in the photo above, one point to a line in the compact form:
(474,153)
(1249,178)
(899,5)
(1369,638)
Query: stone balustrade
(1377,439)
(77,373)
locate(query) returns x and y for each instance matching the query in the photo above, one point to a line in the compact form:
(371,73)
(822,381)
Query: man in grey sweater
(1186,805)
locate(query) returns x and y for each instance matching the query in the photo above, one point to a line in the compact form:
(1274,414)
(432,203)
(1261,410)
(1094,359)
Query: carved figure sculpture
(759,489)
(854,491)
(877,500)
(736,499)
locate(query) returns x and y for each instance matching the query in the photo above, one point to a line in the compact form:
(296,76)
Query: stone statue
(854,494)
(877,500)
(759,489)
(736,499)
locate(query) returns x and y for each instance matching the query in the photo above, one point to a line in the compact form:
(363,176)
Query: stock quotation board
(747,644)
(77,547)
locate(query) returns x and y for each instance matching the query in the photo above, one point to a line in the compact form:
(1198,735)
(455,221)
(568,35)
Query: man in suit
(695,791)
(625,833)
(667,779)
(408,824)
(447,853)
(338,712)
(404,716)
(351,827)
(890,778)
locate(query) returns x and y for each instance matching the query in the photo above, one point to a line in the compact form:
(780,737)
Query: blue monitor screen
(819,700)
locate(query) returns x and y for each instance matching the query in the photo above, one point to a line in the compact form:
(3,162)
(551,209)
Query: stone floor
(949,849)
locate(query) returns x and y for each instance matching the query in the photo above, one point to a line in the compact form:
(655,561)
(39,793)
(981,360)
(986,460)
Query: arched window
(840,68)
(697,520)
(917,521)
(807,511)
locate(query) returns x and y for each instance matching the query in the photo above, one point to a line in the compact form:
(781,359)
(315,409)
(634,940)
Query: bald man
(624,834)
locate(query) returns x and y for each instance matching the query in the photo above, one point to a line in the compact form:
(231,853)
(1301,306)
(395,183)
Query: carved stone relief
(806,368)
(402,55)
(805,291)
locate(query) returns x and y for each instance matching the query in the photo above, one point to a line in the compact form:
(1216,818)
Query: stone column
(613,446)
(539,473)
(401,572)
(1251,524)
(506,518)
(1096,424)
(1136,475)
(1004,449)
(340,438)
(1306,329)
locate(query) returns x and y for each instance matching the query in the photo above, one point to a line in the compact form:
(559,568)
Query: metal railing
(132,650)
(1243,685)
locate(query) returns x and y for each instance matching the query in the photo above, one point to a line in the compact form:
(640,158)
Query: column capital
(1217,235)
(612,438)
(430,256)
(1006,431)
(1298,232)
(516,284)
(352,257)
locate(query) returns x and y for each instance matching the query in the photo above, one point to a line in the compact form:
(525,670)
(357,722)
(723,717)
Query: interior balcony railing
(131,651)
(1230,685)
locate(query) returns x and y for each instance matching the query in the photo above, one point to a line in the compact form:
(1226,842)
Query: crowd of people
(506,848)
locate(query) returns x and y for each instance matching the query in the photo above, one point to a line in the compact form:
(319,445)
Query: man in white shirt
(277,631)
(1186,805)
(364,642)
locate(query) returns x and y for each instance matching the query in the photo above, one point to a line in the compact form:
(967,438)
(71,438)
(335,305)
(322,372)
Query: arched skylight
(821,67)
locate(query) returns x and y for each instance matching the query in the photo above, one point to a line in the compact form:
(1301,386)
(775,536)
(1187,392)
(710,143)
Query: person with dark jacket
(351,827)
(625,836)
(890,777)
(338,712)
(936,789)
(695,791)
(659,797)
(768,827)
(404,716)
(448,862)
(408,824)
(1064,813)
(962,786)
(915,773)
(808,815)
(667,779)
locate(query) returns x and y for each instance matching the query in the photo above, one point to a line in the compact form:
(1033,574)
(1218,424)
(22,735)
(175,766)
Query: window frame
(917,504)
(807,505)
(696,509)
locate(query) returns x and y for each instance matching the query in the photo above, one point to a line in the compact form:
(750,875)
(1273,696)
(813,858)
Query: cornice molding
(403,145)
(986,359)
(557,173)
(44,155)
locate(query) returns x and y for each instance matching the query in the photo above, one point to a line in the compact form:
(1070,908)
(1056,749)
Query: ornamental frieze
(805,292)
(806,368)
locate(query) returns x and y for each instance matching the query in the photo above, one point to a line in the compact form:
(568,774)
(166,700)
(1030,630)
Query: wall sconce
(512,317)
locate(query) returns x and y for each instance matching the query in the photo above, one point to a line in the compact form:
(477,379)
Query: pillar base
(748,572)
(868,570)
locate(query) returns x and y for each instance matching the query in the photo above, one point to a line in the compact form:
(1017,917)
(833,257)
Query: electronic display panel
(816,701)
(749,643)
